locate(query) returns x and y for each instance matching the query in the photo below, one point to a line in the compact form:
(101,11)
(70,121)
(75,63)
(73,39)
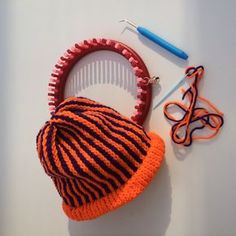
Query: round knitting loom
(79,50)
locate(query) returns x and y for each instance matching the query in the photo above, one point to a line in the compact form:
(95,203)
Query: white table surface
(195,192)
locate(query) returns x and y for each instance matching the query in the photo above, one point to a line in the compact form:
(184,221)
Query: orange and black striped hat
(98,159)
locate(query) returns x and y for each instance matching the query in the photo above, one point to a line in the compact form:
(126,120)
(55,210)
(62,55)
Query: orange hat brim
(130,190)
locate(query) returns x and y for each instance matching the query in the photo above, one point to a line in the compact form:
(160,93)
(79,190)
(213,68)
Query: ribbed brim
(130,190)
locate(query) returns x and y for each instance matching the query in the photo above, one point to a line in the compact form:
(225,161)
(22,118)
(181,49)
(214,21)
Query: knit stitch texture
(97,158)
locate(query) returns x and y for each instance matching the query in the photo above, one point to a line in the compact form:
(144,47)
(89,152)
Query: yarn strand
(194,118)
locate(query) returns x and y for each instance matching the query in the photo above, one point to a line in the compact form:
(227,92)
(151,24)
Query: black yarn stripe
(100,193)
(79,170)
(60,190)
(81,191)
(87,163)
(73,191)
(68,171)
(99,149)
(83,103)
(105,155)
(78,111)
(91,193)
(118,117)
(49,152)
(111,137)
(120,132)
(105,143)
(63,163)
(95,158)
(47,168)
(71,200)
(128,129)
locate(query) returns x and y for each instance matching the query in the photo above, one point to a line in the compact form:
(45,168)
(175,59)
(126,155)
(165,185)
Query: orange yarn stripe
(71,167)
(95,151)
(131,134)
(93,127)
(92,162)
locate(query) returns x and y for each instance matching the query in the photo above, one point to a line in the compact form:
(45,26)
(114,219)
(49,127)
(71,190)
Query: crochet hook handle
(158,40)
(161,42)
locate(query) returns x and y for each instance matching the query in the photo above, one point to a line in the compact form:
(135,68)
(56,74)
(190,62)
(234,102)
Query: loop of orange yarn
(211,119)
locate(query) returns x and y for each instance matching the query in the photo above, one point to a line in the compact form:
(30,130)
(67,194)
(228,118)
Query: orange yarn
(126,193)
(97,158)
(211,119)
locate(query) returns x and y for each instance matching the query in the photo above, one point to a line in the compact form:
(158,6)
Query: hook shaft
(129,22)
(158,40)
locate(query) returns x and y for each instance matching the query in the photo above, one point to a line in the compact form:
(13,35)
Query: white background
(195,192)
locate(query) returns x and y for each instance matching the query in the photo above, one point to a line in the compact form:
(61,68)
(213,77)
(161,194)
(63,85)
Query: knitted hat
(98,159)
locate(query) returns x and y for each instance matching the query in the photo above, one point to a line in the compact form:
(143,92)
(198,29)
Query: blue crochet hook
(158,40)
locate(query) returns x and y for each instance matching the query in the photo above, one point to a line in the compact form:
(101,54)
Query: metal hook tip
(129,22)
